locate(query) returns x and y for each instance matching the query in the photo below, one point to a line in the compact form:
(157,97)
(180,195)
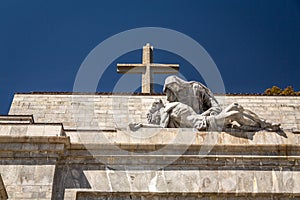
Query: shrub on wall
(288,91)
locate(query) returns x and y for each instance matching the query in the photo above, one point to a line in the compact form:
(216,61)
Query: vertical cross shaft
(147,77)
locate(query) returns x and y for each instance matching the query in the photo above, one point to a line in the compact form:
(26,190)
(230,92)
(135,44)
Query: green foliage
(288,91)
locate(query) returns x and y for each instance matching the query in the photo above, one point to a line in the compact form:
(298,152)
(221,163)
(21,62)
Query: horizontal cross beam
(155,68)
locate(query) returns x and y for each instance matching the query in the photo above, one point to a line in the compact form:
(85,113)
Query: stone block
(53,130)
(18,130)
(208,181)
(35,130)
(263,182)
(118,180)
(70,194)
(5,130)
(28,181)
(245,181)
(44,177)
(227,181)
(183,181)
(141,181)
(293,181)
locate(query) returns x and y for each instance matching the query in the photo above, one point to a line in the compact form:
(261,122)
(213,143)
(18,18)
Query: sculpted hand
(135,126)
(212,111)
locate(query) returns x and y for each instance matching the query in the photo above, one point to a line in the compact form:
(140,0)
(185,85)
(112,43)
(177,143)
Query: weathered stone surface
(87,195)
(116,111)
(3,193)
(28,181)
(28,154)
(13,119)
(94,156)
(195,183)
(184,137)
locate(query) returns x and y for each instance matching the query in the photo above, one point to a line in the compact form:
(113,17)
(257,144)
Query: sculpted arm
(163,123)
(135,126)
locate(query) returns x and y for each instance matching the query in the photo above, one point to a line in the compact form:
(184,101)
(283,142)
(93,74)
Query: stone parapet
(88,111)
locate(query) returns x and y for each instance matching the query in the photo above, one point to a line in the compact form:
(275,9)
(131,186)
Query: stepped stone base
(265,166)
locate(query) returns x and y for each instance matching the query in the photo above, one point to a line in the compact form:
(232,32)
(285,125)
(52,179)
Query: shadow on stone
(282,133)
(250,134)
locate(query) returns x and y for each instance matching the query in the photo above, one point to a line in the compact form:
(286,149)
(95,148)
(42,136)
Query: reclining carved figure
(192,105)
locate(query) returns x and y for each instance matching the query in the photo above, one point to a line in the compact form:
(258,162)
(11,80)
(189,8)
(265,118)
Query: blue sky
(255,44)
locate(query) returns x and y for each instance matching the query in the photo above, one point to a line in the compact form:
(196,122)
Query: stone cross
(147,69)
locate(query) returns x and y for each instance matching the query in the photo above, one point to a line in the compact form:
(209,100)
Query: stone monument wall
(72,147)
(116,111)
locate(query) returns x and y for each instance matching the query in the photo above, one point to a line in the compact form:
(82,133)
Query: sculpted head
(172,87)
(171,97)
(156,105)
(153,115)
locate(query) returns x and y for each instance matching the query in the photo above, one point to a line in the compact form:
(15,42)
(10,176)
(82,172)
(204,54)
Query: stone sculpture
(192,105)
(193,94)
